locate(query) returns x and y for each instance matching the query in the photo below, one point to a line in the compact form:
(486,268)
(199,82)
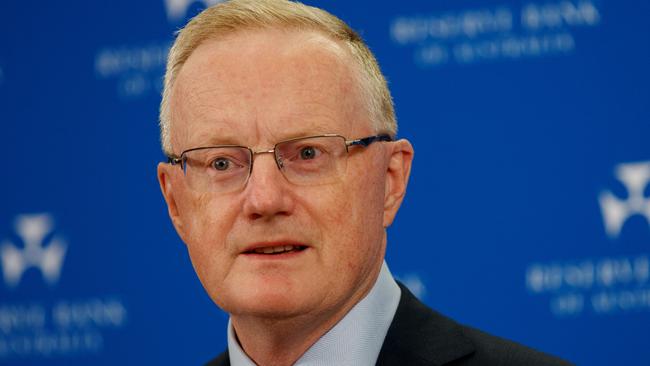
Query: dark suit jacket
(419,336)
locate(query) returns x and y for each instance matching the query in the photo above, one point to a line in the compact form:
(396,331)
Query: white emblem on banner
(33,230)
(616,211)
(177,9)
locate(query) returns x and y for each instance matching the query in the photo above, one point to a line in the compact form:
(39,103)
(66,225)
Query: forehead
(264,85)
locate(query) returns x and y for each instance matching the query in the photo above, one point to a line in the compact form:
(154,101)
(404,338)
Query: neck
(277,342)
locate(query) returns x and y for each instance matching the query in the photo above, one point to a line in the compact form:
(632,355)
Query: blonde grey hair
(236,15)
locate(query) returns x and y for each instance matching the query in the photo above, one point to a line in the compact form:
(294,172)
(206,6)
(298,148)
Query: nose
(267,192)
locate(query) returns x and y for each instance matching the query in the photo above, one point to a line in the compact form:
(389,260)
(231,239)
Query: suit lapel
(420,336)
(221,360)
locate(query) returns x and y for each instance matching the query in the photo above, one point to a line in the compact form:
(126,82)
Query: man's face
(257,88)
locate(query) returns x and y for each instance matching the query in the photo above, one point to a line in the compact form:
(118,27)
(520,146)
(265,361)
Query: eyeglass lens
(306,161)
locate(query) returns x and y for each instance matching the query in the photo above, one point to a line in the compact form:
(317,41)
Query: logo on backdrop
(177,9)
(37,252)
(138,69)
(616,211)
(494,34)
(40,329)
(602,285)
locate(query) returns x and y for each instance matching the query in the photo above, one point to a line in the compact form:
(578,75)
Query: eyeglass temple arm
(173,160)
(369,140)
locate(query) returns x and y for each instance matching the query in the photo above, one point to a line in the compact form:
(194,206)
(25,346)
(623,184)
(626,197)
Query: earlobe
(397,176)
(167,188)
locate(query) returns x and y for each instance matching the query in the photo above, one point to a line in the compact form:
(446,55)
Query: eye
(221,164)
(308,153)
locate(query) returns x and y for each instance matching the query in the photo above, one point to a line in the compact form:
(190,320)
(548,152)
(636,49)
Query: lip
(250,249)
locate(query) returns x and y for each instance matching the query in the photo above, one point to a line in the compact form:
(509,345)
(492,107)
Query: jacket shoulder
(221,360)
(421,336)
(493,350)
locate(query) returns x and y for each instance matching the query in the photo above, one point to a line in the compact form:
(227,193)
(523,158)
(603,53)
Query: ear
(397,177)
(165,178)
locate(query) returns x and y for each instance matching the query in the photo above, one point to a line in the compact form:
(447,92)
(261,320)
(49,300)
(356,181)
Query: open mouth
(278,249)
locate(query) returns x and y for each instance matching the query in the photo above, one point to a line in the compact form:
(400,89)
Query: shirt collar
(355,340)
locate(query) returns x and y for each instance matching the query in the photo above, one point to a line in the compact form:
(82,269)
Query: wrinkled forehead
(266,84)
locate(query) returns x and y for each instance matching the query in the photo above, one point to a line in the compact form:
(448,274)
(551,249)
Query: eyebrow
(219,139)
(303,131)
(216,139)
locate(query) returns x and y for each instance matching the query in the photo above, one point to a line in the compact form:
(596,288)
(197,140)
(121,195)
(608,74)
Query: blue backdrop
(527,214)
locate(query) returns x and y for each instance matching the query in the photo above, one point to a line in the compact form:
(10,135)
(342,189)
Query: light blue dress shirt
(355,340)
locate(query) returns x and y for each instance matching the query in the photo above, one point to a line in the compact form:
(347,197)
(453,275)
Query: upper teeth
(279,248)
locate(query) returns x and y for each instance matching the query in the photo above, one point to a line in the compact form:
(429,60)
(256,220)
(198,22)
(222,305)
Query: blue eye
(221,164)
(308,153)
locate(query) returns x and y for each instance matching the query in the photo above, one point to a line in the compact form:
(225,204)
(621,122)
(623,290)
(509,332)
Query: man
(283,176)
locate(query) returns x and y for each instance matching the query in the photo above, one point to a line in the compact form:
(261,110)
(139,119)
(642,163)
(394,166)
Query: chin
(266,299)
(272,306)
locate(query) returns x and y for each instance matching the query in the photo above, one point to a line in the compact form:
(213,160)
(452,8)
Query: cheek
(207,222)
(205,217)
(367,212)
(366,192)
(352,216)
